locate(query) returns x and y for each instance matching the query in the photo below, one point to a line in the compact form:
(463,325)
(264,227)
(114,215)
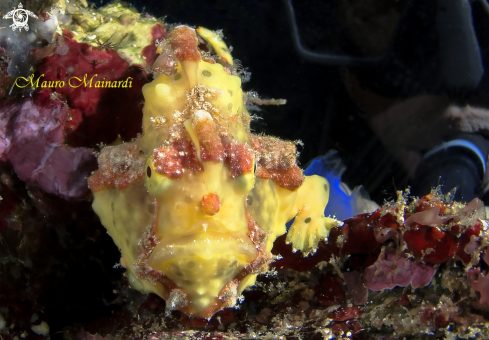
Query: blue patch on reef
(341,205)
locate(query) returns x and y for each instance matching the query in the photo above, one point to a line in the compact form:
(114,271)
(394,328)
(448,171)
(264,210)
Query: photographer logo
(20,16)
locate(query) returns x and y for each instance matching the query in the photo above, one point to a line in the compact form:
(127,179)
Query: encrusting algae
(196,203)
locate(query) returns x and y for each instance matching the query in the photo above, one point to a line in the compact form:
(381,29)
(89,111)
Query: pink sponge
(479,281)
(31,138)
(392,269)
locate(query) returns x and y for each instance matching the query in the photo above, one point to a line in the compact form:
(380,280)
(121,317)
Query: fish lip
(204,225)
(194,244)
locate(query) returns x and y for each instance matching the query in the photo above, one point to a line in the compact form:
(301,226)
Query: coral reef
(120,28)
(49,138)
(328,294)
(117,29)
(428,246)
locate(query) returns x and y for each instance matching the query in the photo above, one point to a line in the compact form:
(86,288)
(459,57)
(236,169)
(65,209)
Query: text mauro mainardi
(74,82)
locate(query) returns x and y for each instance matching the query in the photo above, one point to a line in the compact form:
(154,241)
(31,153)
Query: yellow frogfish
(196,203)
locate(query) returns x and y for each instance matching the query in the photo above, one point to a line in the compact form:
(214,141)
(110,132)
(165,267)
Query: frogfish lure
(196,203)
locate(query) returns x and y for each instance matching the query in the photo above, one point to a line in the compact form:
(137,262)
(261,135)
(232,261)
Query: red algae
(158,32)
(93,107)
(329,291)
(167,161)
(177,158)
(345,313)
(355,287)
(120,168)
(279,161)
(441,245)
(184,43)
(238,157)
